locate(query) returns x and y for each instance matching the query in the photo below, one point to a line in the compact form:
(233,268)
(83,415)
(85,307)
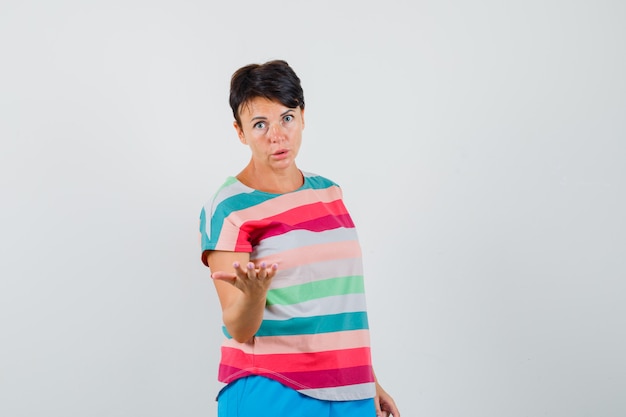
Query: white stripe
(347,393)
(227,192)
(319,307)
(322,270)
(301,238)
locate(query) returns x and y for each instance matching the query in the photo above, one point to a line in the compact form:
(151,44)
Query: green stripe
(317,289)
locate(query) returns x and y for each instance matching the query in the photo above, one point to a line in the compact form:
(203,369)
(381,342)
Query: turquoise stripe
(236,203)
(204,237)
(317,182)
(312,325)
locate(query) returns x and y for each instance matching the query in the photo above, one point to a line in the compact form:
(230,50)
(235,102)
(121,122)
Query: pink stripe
(270,227)
(331,378)
(311,211)
(303,343)
(272,208)
(299,362)
(255,231)
(315,217)
(312,254)
(229,374)
(305,380)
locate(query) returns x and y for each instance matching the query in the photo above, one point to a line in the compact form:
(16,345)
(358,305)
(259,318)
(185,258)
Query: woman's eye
(259,125)
(288,118)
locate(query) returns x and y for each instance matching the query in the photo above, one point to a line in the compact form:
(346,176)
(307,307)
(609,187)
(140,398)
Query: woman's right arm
(242,290)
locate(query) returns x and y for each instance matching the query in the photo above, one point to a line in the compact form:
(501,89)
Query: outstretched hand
(248,279)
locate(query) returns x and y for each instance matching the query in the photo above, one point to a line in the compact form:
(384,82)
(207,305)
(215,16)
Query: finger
(390,408)
(238,269)
(267,272)
(251,271)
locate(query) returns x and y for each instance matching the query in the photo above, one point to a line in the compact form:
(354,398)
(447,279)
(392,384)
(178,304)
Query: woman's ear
(242,137)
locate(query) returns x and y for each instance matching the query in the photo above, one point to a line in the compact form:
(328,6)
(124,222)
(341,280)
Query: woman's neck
(269,181)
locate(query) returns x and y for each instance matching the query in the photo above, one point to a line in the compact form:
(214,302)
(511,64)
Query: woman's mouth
(280,153)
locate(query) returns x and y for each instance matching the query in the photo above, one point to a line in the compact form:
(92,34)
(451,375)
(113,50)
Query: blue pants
(257,396)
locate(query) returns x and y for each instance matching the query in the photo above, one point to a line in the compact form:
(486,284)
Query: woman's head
(274,80)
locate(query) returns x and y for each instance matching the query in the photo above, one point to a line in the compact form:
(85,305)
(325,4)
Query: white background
(480,145)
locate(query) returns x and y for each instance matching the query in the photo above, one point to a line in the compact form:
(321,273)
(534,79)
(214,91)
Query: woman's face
(273,132)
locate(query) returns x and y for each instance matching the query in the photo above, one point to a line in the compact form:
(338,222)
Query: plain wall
(480,146)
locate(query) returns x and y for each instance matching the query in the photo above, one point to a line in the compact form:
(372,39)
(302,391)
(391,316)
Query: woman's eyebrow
(265,117)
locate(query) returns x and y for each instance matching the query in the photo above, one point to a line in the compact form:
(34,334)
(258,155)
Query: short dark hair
(273,80)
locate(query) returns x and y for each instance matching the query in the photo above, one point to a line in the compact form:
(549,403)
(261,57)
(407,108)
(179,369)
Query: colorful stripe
(317,289)
(311,325)
(314,336)
(305,379)
(302,343)
(298,362)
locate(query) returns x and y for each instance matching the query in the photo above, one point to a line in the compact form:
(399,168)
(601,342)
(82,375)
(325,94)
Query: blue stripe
(203,233)
(312,325)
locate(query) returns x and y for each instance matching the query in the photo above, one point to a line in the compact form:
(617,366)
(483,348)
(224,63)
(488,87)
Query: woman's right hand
(249,279)
(242,291)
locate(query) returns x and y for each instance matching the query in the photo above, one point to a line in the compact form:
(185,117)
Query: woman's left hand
(385,405)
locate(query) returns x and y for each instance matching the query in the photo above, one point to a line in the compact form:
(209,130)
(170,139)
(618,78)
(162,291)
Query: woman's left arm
(385,405)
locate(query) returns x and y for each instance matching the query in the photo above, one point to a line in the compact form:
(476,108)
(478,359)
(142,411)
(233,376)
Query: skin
(273,133)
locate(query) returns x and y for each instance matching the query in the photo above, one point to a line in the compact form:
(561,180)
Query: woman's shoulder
(318,181)
(230,188)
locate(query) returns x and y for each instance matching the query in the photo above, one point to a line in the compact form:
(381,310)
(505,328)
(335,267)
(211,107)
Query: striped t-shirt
(314,336)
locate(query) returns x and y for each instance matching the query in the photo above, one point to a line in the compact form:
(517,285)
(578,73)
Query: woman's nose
(276,132)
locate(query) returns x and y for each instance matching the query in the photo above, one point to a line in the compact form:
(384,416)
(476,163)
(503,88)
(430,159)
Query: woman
(287,268)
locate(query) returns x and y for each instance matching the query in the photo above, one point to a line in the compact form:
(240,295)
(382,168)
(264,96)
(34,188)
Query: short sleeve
(221,229)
